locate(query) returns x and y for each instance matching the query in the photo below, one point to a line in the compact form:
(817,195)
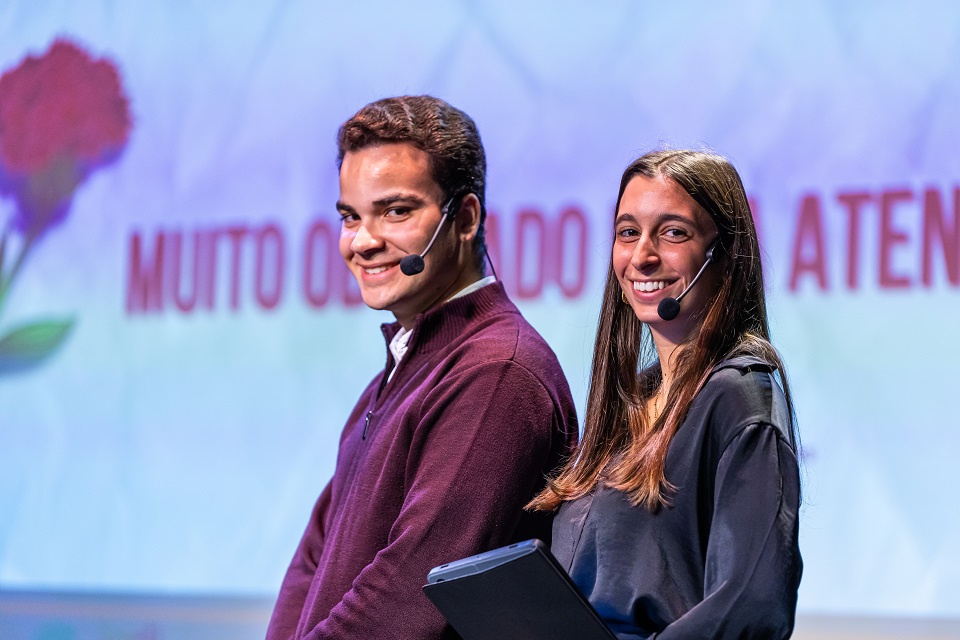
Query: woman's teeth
(650,285)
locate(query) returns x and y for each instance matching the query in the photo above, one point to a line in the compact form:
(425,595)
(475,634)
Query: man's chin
(375,302)
(375,305)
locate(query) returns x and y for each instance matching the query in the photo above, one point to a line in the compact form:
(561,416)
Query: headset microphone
(413,264)
(669,308)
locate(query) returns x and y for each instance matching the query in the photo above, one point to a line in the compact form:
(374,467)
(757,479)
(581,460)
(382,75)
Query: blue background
(179,453)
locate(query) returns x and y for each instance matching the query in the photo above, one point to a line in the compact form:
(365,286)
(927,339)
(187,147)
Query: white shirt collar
(470,288)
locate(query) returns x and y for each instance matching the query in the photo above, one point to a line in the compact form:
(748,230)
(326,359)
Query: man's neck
(466,278)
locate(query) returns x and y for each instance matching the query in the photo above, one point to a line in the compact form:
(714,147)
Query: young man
(472,410)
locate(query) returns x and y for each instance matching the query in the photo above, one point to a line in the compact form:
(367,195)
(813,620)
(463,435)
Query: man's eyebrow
(394,198)
(386,201)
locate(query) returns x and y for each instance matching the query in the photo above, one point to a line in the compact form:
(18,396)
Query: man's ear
(468,217)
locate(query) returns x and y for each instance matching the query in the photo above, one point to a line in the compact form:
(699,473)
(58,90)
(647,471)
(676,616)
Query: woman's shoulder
(744,391)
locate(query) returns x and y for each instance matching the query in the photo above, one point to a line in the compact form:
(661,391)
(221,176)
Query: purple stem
(3,248)
(7,281)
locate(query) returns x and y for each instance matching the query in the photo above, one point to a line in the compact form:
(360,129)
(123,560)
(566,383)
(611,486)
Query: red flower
(63,103)
(61,114)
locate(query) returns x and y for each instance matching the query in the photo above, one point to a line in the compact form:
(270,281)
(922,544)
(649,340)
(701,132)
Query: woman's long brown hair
(621,447)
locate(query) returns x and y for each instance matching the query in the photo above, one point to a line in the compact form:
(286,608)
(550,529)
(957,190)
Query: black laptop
(516,592)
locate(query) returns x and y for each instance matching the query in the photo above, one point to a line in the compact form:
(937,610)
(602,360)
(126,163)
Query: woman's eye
(347,218)
(627,232)
(674,233)
(396,212)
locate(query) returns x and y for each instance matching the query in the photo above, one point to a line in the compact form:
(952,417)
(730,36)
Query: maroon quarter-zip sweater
(434,465)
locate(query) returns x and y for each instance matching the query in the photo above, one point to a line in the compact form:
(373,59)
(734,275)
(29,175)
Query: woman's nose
(644,253)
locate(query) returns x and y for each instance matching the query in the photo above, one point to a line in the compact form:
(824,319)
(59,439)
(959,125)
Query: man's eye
(397,211)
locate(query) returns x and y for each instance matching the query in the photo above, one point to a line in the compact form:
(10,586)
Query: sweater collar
(436,327)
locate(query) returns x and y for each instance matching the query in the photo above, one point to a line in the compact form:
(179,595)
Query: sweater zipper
(366,423)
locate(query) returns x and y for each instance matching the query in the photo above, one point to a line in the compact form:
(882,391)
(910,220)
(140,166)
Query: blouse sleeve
(753,565)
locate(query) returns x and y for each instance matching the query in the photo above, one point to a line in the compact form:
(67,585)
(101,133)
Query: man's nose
(365,240)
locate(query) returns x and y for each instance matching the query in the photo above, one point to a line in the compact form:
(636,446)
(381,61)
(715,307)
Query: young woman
(678,512)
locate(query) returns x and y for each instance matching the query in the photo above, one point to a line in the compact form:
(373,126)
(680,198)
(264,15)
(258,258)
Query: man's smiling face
(390,206)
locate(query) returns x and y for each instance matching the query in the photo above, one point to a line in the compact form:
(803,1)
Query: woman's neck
(667,351)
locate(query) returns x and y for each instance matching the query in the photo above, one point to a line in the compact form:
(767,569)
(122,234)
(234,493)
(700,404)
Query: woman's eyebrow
(659,219)
(674,217)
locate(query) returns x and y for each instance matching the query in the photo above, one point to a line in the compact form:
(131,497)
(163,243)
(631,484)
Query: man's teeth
(650,285)
(375,270)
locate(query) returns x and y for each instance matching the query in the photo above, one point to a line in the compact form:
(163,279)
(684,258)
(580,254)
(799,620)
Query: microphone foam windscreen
(669,308)
(411,265)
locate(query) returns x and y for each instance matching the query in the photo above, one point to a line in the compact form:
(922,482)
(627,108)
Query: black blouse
(723,561)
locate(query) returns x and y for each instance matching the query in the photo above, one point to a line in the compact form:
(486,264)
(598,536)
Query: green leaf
(29,344)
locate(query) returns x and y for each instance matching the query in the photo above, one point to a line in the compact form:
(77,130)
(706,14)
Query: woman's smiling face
(661,239)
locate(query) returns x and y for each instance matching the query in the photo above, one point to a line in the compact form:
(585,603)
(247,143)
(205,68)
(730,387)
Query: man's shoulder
(485,331)
(508,336)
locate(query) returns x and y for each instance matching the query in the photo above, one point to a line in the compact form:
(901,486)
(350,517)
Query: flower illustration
(63,114)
